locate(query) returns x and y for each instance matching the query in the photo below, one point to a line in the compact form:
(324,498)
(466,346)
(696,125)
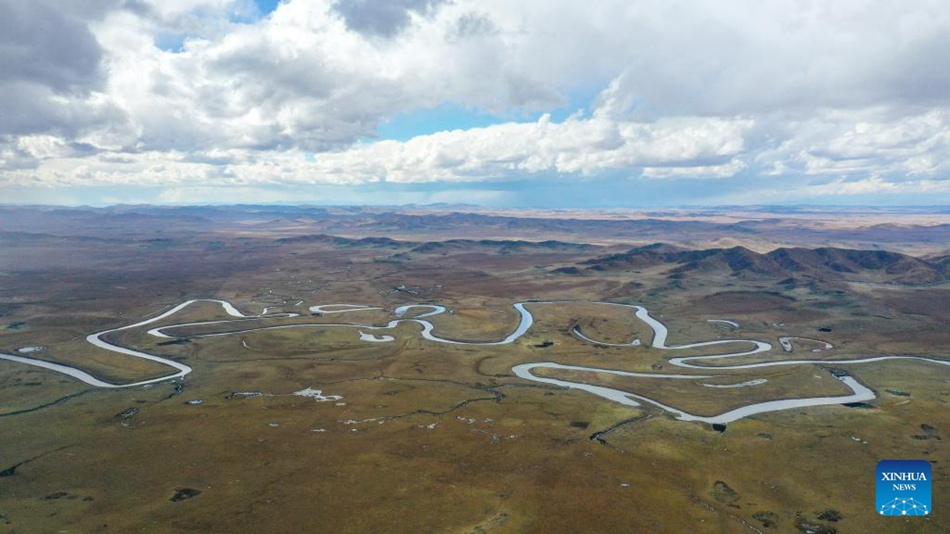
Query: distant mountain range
(865,229)
(821,245)
(792,263)
(818,263)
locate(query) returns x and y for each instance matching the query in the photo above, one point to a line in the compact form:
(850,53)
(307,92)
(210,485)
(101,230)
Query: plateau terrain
(459,369)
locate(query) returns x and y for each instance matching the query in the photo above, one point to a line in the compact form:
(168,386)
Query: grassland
(430,437)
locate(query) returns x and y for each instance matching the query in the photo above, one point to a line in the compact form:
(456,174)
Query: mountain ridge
(821,262)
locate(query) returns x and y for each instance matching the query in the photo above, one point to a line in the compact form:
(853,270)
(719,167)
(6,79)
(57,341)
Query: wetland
(489,377)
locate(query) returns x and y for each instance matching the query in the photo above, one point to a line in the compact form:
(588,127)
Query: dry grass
(502,456)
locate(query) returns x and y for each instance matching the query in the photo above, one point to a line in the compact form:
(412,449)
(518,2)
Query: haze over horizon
(547,104)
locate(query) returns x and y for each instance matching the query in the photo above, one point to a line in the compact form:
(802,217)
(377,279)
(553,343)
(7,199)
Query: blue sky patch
(438,119)
(266,7)
(449,116)
(170,42)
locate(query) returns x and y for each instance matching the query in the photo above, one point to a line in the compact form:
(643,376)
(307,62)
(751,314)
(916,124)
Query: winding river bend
(746,347)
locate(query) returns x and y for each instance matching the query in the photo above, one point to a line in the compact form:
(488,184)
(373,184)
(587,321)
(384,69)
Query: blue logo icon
(903,487)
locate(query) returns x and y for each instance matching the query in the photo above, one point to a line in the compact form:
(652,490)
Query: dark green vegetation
(435,438)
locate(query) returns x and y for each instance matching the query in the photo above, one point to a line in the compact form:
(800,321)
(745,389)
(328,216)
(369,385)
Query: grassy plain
(430,437)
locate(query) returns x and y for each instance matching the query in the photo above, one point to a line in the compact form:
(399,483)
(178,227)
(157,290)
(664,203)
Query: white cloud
(856,89)
(577,146)
(867,141)
(872,185)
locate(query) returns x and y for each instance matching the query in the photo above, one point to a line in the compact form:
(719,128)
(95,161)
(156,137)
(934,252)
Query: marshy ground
(432,437)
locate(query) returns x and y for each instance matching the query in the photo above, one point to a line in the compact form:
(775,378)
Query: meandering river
(746,347)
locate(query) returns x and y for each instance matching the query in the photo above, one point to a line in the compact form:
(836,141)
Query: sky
(529,103)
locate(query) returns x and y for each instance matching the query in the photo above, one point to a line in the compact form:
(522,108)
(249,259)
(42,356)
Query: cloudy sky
(540,103)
